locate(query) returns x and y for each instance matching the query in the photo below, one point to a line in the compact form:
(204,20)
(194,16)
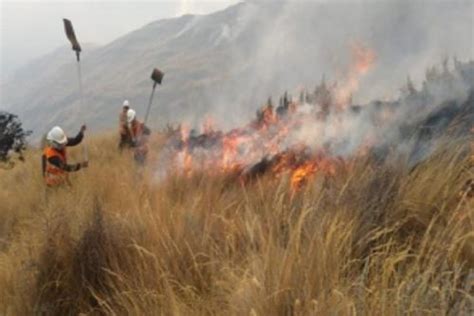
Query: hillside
(294,176)
(375,240)
(281,223)
(228,62)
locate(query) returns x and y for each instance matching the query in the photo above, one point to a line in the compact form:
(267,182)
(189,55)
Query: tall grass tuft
(375,239)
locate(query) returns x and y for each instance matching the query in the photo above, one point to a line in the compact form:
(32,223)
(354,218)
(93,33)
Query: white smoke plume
(317,128)
(292,44)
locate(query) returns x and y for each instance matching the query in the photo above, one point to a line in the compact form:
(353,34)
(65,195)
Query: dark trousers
(124,141)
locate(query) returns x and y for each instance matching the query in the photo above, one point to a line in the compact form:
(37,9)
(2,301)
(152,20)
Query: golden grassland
(378,240)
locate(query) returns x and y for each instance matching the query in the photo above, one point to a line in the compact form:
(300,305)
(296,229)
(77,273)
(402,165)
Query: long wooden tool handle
(149,104)
(79,75)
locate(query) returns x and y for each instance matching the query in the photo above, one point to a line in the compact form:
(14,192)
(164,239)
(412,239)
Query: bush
(12,136)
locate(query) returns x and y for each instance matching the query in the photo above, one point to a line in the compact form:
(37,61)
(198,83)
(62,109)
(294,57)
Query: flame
(246,146)
(363,59)
(301,174)
(267,145)
(184,132)
(229,153)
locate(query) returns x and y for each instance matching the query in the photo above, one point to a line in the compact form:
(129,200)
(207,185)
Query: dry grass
(378,240)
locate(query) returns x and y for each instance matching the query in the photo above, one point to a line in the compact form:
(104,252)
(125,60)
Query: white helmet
(126,103)
(131,115)
(57,135)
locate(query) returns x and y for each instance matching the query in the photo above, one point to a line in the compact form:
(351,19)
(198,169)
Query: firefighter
(54,159)
(124,131)
(139,134)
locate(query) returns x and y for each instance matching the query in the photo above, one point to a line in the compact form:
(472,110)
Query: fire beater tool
(77,48)
(157,77)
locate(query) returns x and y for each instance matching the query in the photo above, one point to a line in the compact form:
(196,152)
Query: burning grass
(298,212)
(324,133)
(375,238)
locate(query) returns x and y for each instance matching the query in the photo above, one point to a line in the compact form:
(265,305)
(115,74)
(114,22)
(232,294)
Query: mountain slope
(230,61)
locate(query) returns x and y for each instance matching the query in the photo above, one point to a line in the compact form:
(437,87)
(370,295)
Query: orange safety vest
(138,130)
(54,176)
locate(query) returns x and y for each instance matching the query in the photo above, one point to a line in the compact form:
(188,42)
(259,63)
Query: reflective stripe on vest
(53,175)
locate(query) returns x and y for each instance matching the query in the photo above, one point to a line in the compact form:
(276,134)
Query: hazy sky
(30,29)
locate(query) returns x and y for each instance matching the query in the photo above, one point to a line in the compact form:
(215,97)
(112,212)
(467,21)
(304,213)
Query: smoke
(228,63)
(365,50)
(413,124)
(286,45)
(313,132)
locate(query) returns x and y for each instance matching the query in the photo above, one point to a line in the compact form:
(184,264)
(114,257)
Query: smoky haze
(228,63)
(290,45)
(299,42)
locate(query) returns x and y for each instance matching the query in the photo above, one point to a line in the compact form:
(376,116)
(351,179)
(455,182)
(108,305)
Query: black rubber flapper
(157,76)
(71,36)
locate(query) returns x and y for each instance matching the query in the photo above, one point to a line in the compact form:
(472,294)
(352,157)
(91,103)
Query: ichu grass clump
(378,238)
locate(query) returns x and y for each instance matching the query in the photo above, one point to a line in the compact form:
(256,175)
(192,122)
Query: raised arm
(78,139)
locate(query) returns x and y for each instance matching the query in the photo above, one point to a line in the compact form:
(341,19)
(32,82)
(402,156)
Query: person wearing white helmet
(124,131)
(54,159)
(131,115)
(139,136)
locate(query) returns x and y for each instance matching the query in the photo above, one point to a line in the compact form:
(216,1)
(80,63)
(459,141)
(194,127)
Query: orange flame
(301,174)
(363,59)
(268,142)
